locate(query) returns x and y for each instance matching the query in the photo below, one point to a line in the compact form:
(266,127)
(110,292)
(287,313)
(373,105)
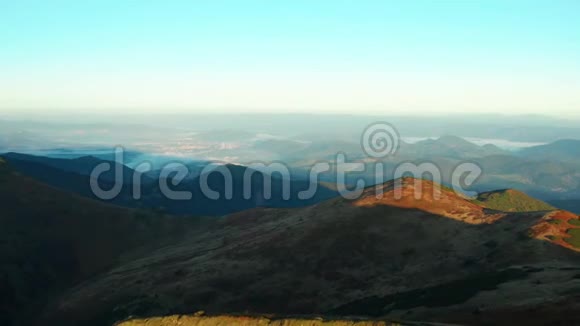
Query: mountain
(247,189)
(74,175)
(51,240)
(449,146)
(452,141)
(436,258)
(510,200)
(32,165)
(565,149)
(202,205)
(194,168)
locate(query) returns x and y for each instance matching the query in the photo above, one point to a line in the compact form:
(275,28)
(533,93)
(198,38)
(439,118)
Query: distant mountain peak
(449,141)
(453,139)
(491,147)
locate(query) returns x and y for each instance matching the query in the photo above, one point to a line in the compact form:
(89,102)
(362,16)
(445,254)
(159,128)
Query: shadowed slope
(50,240)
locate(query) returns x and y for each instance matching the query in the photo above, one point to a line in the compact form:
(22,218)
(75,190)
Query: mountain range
(74,175)
(564,149)
(71,258)
(442,257)
(550,171)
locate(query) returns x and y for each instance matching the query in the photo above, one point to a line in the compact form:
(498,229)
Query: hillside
(510,200)
(50,240)
(427,259)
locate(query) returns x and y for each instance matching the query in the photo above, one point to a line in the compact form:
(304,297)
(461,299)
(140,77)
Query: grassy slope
(50,239)
(574,238)
(511,201)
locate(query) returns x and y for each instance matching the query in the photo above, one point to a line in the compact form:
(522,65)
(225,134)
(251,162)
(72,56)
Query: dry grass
(250,321)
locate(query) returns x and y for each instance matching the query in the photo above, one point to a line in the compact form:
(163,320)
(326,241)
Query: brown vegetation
(254,321)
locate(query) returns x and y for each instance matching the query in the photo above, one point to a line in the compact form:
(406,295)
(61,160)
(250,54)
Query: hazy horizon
(33,114)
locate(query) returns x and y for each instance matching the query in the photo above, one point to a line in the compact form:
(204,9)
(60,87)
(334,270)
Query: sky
(367,57)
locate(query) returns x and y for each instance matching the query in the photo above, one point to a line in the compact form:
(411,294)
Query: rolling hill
(439,258)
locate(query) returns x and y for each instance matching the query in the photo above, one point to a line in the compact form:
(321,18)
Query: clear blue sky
(325,56)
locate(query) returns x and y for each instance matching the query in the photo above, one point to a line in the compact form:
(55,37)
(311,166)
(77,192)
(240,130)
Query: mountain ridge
(64,174)
(325,258)
(567,149)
